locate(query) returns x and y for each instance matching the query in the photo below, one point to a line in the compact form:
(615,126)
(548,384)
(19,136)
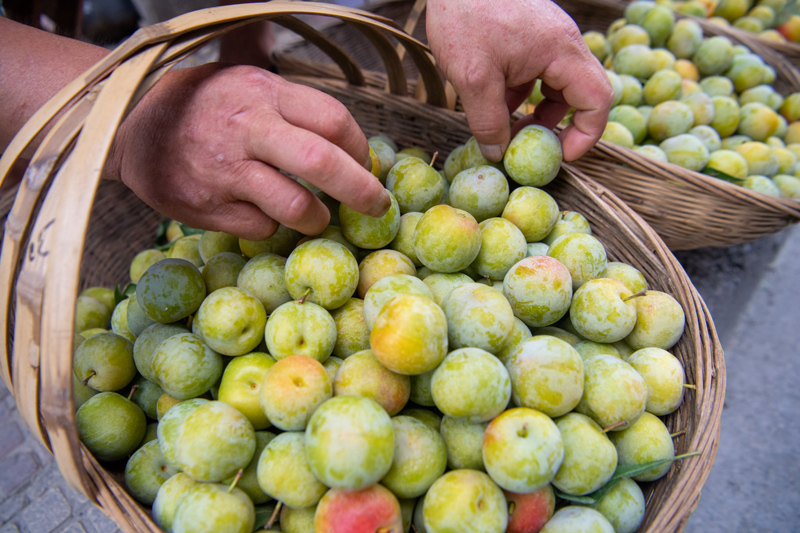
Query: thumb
(484,102)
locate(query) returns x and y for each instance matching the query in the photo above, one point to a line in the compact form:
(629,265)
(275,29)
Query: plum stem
(133,389)
(274,515)
(304,296)
(689,386)
(643,293)
(433,158)
(512,506)
(92,374)
(678,433)
(414,528)
(236,479)
(615,425)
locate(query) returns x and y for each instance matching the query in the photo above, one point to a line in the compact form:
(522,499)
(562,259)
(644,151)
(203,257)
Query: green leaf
(621,472)
(120,293)
(263,514)
(188,230)
(161,232)
(714,173)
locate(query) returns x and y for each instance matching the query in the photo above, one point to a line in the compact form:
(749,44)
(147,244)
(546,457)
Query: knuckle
(314,158)
(300,208)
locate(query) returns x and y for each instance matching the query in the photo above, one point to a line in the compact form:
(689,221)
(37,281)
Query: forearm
(34,66)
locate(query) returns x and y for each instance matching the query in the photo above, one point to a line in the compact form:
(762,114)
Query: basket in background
(68,230)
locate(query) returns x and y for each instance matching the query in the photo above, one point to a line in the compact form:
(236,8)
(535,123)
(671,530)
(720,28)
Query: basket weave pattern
(67,231)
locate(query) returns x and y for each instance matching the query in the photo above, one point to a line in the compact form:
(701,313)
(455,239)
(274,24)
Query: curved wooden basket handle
(42,252)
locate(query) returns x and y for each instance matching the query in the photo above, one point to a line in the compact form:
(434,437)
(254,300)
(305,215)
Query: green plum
(284,473)
(222,270)
(146,343)
(167,498)
(262,276)
(660,321)
(480,191)
(110,426)
(185,366)
(187,249)
(362,374)
(533,211)
(615,395)
(282,242)
(464,442)
(590,458)
(669,119)
(379,264)
(479,317)
(630,276)
(241,383)
(583,255)
(646,440)
(388,287)
(104,362)
(687,151)
(568,222)
(370,232)
(420,458)
(300,328)
(415,184)
(539,289)
(146,471)
(618,134)
(170,290)
(231,321)
(534,156)
(214,508)
(665,379)
(144,260)
(403,242)
(322,270)
(352,334)
(467,501)
(447,239)
(574,519)
(623,506)
(600,312)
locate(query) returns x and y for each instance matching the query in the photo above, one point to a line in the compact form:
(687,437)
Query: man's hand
(493,52)
(205,145)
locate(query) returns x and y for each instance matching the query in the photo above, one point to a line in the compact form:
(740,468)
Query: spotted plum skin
(420,458)
(533,156)
(478,316)
(387,288)
(546,375)
(590,458)
(539,289)
(210,507)
(471,383)
(185,366)
(582,254)
(481,191)
(447,239)
(600,313)
(326,268)
(613,392)
(292,390)
(170,290)
(410,335)
(573,518)
(522,450)
(297,328)
(533,211)
(284,474)
(349,442)
(467,501)
(623,506)
(415,184)
(370,232)
(660,321)
(232,321)
(502,245)
(646,440)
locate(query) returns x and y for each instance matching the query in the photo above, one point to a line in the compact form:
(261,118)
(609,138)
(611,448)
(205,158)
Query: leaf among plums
(263,514)
(123,293)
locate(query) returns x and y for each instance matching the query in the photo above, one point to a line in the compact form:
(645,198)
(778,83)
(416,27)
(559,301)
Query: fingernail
(368,163)
(492,152)
(381,205)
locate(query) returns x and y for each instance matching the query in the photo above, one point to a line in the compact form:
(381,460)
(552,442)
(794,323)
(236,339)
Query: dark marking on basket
(40,250)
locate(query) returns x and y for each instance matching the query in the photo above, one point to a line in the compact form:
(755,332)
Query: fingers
(279,196)
(328,118)
(307,155)
(588,91)
(484,99)
(548,113)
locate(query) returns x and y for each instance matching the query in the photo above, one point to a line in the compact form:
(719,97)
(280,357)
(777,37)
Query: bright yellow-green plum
(616,85)
(686,150)
(709,136)
(623,506)
(478,316)
(146,343)
(281,243)
(748,71)
(471,383)
(534,156)
(349,442)
(480,191)
(352,334)
(292,389)
(464,441)
(144,260)
(386,155)
(702,107)
(653,152)
(447,239)
(632,91)
(762,184)
(502,246)
(539,289)
(169,426)
(379,264)
(467,501)
(632,119)
(119,321)
(665,379)
(421,389)
(586,349)
(582,254)
(322,270)
(91,313)
(757,121)
(248,481)
(533,211)
(420,458)
(714,55)
(297,328)
(262,276)
(646,440)
(415,184)
(627,35)
(185,366)
(597,44)
(618,134)
(386,288)
(472,156)
(659,321)
(241,386)
(600,312)
(283,472)
(403,242)
(520,333)
(146,394)
(187,249)
(362,374)
(635,60)
(167,498)
(614,394)
(216,242)
(726,115)
(441,284)
(630,276)
(730,162)
(231,321)
(410,335)
(110,425)
(590,458)
(146,471)
(452,163)
(104,362)
(669,119)
(788,185)
(213,442)
(568,222)
(662,86)
(685,38)
(522,450)
(214,508)
(297,520)
(222,270)
(574,519)
(546,374)
(372,232)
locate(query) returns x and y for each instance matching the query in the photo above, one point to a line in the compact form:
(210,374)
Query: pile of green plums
(704,104)
(470,361)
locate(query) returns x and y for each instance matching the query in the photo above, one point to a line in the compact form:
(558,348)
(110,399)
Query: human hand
(492,53)
(205,144)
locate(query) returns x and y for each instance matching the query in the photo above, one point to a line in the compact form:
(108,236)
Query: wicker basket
(66,228)
(688,209)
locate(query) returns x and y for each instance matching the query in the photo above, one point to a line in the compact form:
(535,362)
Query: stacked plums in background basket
(470,361)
